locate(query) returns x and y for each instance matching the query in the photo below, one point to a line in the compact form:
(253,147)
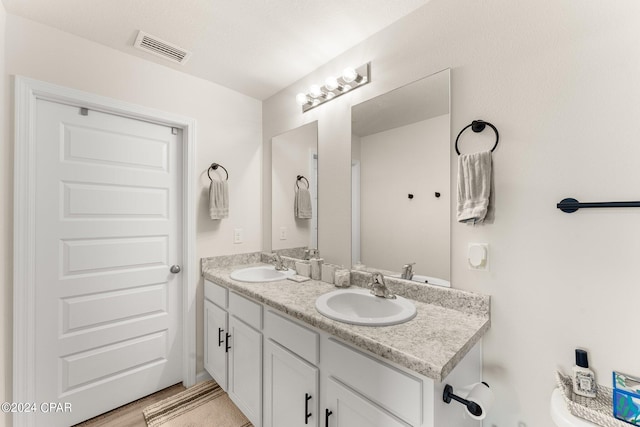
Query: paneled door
(108,246)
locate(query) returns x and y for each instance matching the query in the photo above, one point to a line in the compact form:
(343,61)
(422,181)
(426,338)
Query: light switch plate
(283,233)
(237,235)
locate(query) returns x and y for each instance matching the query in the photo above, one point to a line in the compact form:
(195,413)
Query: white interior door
(108,227)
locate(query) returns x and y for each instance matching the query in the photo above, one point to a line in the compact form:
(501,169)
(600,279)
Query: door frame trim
(27,92)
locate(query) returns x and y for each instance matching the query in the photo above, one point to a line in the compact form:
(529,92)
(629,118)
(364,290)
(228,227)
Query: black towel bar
(570,205)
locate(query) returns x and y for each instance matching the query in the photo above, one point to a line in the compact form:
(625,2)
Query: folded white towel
(474,187)
(302,204)
(218,199)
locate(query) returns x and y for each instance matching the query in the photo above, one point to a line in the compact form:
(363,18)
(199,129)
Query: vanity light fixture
(350,79)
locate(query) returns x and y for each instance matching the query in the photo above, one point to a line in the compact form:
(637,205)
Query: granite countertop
(431,344)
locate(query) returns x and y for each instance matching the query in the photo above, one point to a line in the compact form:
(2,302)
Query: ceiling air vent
(152,44)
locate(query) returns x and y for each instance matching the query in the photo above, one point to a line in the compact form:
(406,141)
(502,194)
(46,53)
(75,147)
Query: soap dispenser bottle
(584,380)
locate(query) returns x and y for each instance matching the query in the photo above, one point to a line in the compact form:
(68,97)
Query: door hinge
(174,131)
(84,111)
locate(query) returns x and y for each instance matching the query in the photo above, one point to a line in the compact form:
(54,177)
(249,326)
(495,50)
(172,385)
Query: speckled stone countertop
(432,343)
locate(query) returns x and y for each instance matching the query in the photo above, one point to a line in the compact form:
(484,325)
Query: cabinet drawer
(377,381)
(297,338)
(245,310)
(351,410)
(215,293)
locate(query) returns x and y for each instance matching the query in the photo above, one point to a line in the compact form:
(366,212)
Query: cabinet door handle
(220,340)
(327,413)
(307,414)
(227,347)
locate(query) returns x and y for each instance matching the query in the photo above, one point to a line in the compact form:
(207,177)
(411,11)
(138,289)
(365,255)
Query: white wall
(395,230)
(291,153)
(559,79)
(6,232)
(228,132)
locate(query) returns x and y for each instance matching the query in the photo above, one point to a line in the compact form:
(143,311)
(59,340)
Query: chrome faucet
(379,288)
(407,271)
(277,262)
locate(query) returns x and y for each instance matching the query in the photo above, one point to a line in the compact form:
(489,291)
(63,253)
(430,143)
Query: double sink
(354,306)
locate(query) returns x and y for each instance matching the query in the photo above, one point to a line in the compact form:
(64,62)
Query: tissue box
(626,398)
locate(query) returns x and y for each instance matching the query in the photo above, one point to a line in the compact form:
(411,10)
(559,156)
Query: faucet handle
(378,287)
(377,277)
(407,271)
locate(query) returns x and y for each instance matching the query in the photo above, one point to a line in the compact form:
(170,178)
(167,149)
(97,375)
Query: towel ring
(478,126)
(299,178)
(215,166)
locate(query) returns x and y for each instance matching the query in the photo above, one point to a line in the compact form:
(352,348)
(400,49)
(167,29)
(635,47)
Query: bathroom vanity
(284,364)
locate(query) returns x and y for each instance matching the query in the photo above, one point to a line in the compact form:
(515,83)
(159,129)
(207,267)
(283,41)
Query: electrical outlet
(237,235)
(283,233)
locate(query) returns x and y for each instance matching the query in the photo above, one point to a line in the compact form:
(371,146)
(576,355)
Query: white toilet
(560,413)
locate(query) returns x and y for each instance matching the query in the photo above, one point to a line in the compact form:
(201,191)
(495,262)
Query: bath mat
(204,404)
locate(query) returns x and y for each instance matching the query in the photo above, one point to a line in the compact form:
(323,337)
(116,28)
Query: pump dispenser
(584,380)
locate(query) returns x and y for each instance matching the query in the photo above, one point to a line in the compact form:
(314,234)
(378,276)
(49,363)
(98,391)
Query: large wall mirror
(294,190)
(400,179)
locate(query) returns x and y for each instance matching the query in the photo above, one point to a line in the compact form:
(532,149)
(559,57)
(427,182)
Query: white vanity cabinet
(292,389)
(305,377)
(358,386)
(344,408)
(291,375)
(215,342)
(233,347)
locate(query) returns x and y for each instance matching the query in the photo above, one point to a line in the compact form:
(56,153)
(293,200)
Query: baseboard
(203,376)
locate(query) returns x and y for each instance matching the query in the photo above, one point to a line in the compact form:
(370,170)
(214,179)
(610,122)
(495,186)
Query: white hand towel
(302,204)
(474,187)
(218,199)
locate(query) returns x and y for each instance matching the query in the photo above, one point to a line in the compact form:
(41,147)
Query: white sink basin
(427,279)
(262,273)
(359,307)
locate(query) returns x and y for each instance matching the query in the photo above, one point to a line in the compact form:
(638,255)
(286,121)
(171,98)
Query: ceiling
(256,47)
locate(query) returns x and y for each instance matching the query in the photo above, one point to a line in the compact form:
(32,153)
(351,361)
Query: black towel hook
(215,166)
(299,178)
(478,126)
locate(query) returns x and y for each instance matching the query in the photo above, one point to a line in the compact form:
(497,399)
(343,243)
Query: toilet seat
(560,413)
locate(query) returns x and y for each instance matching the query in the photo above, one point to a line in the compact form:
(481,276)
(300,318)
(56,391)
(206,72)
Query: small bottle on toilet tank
(584,380)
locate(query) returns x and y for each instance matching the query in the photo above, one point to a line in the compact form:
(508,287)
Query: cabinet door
(344,408)
(291,389)
(245,369)
(215,354)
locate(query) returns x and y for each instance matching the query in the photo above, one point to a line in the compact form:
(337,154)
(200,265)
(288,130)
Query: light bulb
(302,98)
(331,83)
(330,95)
(346,88)
(315,91)
(349,75)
